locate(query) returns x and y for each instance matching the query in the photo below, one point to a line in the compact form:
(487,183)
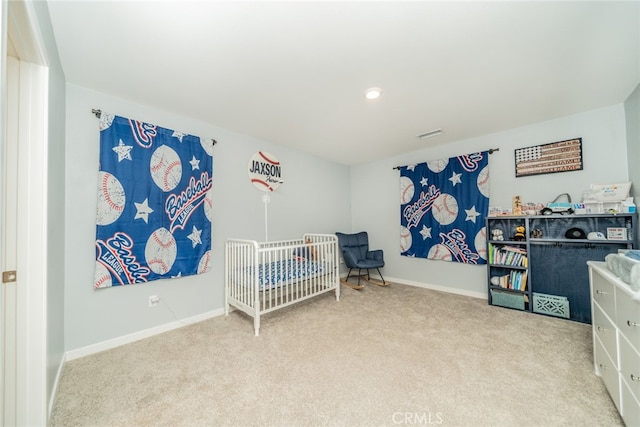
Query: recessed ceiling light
(429,134)
(373,93)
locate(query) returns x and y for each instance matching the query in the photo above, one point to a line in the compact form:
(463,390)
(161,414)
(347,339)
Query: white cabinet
(616,339)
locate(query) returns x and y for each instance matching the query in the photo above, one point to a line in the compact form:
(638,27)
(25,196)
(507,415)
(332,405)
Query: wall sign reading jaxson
(265,171)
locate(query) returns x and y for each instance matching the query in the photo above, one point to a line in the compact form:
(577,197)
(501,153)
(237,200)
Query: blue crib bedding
(277,273)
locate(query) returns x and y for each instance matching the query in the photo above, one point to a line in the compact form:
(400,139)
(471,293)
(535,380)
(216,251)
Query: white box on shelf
(603,207)
(610,192)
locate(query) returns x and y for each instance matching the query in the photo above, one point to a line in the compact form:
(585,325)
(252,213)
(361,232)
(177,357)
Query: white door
(9,246)
(23,230)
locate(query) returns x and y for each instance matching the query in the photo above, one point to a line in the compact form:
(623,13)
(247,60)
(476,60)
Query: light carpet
(382,356)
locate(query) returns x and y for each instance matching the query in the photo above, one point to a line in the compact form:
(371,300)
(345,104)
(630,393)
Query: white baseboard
(136,336)
(473,294)
(456,291)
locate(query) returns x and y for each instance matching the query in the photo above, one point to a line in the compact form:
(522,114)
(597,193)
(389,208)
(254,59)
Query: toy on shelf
(497,234)
(519,236)
(556,207)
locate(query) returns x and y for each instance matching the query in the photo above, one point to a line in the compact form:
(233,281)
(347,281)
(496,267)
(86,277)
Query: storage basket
(507,299)
(552,305)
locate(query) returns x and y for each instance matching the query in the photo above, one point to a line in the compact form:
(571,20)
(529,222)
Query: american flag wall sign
(154,211)
(562,156)
(443,206)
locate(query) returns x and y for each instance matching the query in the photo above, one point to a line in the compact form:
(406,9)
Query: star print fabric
(443,207)
(154,210)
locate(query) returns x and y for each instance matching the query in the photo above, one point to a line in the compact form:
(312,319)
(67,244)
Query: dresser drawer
(630,366)
(602,292)
(630,407)
(605,330)
(628,317)
(607,371)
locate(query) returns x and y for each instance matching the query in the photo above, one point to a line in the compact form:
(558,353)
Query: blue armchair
(356,254)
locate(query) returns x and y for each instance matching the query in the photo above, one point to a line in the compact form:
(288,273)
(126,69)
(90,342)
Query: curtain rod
(98,114)
(490,151)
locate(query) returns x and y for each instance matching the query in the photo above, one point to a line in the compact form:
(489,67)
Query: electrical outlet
(153,300)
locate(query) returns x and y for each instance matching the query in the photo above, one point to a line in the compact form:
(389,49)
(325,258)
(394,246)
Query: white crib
(263,277)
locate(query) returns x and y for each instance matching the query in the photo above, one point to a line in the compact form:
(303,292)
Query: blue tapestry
(443,207)
(154,213)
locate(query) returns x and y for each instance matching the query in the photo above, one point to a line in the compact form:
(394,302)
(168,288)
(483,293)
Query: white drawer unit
(605,330)
(630,366)
(606,369)
(631,407)
(616,339)
(603,292)
(628,316)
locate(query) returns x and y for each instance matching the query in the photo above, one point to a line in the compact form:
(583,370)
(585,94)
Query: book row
(508,255)
(516,280)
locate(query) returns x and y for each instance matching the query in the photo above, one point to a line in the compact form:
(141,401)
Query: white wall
(375,187)
(632,120)
(55,202)
(313,198)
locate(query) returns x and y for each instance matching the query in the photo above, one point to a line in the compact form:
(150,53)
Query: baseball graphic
(207,145)
(405,239)
(439,252)
(102,277)
(105,121)
(406,189)
(445,209)
(483,181)
(111,199)
(205,263)
(480,243)
(437,165)
(265,171)
(166,168)
(208,205)
(161,251)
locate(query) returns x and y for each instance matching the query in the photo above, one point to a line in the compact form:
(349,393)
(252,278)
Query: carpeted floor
(398,355)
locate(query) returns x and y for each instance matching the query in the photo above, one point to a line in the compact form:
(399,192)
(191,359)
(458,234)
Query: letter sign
(265,171)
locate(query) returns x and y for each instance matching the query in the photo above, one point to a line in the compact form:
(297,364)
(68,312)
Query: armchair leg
(346,282)
(378,282)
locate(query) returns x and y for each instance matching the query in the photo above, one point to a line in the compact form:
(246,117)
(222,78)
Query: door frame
(20,21)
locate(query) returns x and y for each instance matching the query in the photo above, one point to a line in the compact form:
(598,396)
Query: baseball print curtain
(443,206)
(153,219)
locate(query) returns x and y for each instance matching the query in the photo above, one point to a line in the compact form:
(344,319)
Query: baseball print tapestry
(443,206)
(153,219)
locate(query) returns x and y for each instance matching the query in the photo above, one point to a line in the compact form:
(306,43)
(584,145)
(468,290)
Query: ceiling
(294,73)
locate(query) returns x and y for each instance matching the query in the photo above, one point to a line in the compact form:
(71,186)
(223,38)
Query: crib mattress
(278,273)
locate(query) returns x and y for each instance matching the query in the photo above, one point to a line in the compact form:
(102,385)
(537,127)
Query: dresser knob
(635,378)
(600,328)
(599,292)
(602,366)
(630,323)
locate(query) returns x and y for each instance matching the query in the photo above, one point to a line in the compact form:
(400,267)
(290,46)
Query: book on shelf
(508,255)
(515,280)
